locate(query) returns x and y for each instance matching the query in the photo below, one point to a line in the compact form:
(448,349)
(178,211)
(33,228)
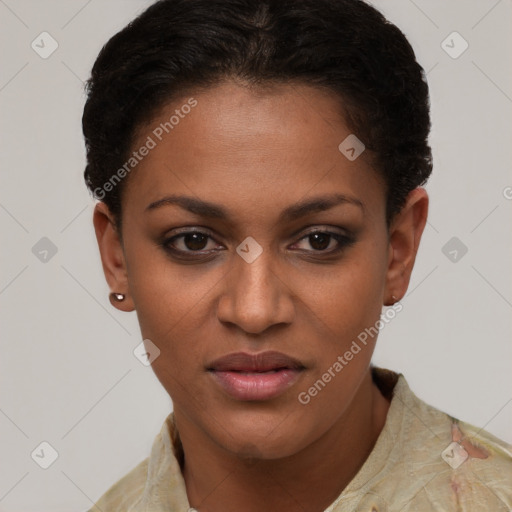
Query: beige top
(423,460)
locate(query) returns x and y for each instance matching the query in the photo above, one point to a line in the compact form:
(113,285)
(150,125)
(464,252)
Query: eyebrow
(295,211)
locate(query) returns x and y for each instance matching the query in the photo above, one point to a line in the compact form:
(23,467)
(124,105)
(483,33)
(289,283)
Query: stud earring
(118,297)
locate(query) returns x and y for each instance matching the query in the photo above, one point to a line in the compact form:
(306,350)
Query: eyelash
(344,241)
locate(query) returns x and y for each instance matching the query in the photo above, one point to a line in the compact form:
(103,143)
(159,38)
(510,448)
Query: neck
(217,480)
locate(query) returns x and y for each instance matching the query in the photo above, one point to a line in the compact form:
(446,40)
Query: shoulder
(480,472)
(460,466)
(425,459)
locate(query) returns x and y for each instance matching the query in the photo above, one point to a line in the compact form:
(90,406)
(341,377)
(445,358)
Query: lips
(262,362)
(260,376)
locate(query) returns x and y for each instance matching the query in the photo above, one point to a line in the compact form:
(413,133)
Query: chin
(261,438)
(252,451)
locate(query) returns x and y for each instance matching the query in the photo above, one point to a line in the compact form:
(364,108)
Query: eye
(190,242)
(324,242)
(196,244)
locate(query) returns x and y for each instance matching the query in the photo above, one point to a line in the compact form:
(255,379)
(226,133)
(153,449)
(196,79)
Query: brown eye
(319,241)
(190,242)
(323,241)
(195,241)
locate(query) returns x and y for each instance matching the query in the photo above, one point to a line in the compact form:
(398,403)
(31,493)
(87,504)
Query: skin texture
(256,152)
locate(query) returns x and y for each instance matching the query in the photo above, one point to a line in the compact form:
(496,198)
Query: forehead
(246,144)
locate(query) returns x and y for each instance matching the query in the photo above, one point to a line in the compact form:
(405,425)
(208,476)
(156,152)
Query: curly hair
(345,46)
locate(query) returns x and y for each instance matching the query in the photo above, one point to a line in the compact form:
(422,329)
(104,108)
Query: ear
(404,239)
(112,255)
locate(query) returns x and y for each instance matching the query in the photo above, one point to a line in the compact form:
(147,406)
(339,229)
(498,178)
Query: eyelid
(342,236)
(190,229)
(322,227)
(180,232)
(319,228)
(343,240)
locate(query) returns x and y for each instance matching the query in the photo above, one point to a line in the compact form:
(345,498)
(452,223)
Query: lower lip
(256,386)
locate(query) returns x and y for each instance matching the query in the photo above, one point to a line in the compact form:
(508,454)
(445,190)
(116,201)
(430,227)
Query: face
(254,253)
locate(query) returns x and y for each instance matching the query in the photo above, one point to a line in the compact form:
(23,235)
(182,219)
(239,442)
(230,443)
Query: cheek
(349,307)
(171,316)
(172,309)
(165,294)
(348,298)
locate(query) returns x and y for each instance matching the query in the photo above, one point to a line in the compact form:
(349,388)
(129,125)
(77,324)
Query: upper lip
(261,362)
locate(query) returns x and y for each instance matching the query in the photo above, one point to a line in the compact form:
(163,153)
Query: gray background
(67,372)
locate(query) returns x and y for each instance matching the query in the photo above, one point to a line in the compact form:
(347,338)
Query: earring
(118,297)
(395,299)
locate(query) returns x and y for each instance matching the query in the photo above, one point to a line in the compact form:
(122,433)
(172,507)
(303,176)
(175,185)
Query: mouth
(255,377)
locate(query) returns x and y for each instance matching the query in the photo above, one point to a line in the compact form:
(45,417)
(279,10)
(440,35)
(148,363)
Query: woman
(259,167)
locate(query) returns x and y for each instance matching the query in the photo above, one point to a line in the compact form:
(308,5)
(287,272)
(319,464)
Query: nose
(255,296)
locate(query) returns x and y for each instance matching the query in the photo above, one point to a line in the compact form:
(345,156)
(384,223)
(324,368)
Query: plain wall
(67,372)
